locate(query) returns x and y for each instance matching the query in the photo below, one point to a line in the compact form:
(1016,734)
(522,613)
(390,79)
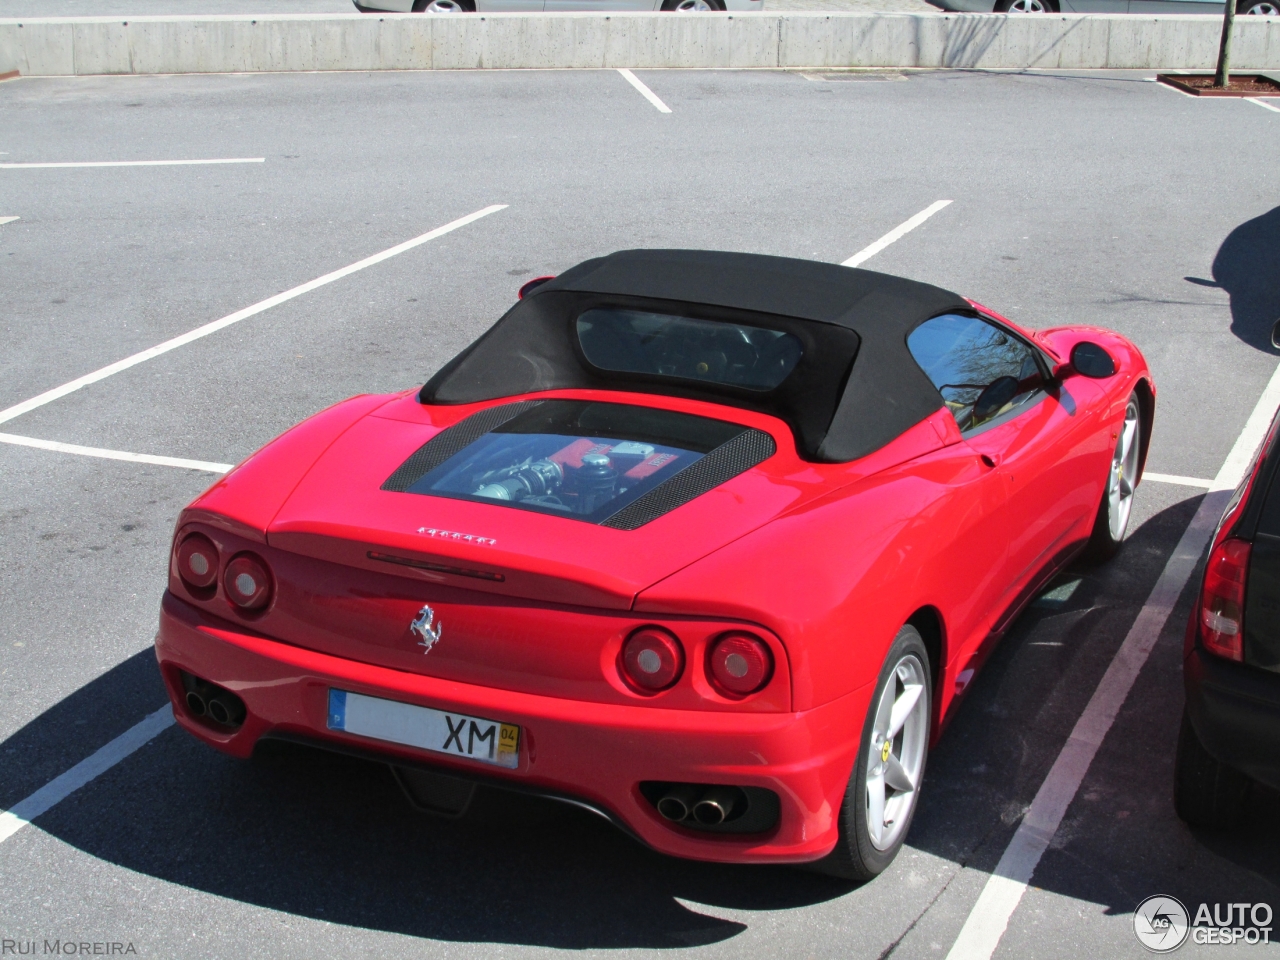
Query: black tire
(1103,541)
(1013,6)
(670,5)
(855,857)
(465,6)
(1260,8)
(1206,793)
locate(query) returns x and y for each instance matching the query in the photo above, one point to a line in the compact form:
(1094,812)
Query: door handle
(989,459)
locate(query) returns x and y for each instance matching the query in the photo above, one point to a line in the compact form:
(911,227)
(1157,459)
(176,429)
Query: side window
(981,371)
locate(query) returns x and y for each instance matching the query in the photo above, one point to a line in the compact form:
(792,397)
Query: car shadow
(1247,267)
(330,837)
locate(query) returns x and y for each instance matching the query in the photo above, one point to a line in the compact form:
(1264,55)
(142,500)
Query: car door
(585,5)
(1151,7)
(1037,436)
(509,6)
(1094,6)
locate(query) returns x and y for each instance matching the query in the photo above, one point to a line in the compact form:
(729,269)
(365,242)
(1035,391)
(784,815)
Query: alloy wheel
(444,6)
(1028,6)
(899,738)
(1124,473)
(694,6)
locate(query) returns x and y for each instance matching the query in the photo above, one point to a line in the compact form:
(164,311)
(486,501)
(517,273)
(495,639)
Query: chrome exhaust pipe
(225,709)
(714,806)
(676,804)
(196,704)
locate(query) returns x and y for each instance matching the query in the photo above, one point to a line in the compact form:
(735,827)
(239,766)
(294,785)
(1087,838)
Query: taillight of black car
(1221,609)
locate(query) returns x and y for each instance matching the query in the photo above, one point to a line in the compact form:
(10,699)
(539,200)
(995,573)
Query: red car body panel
(823,561)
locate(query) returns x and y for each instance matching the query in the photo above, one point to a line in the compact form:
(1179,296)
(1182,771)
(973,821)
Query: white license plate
(488,741)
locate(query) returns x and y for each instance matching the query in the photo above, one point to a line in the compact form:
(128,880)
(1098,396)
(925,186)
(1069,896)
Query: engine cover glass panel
(576,458)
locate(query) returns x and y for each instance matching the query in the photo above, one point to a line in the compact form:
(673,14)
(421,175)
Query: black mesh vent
(452,440)
(723,463)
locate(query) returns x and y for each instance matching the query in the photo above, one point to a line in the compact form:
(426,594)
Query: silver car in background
(1257,7)
(539,6)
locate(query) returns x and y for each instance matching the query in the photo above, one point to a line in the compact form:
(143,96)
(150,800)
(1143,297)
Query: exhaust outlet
(210,702)
(713,809)
(714,806)
(226,709)
(677,803)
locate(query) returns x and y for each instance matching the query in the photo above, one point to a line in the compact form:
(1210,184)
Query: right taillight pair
(246,579)
(1221,611)
(737,663)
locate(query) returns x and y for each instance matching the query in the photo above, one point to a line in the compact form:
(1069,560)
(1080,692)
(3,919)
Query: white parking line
(58,789)
(897,233)
(49,396)
(1264,104)
(1183,93)
(56,447)
(1181,481)
(127,163)
(989,918)
(4,220)
(645,92)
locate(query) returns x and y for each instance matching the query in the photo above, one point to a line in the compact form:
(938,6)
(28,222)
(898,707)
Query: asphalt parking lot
(1100,198)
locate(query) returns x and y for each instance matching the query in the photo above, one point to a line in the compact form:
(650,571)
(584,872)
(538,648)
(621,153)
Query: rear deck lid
(568,500)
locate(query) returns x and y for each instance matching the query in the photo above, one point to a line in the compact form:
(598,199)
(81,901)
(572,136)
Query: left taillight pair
(246,580)
(1221,609)
(738,663)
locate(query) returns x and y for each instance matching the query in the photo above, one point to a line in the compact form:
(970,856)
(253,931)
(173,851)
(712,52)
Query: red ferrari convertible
(708,543)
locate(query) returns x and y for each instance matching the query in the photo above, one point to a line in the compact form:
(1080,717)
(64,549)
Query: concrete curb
(276,43)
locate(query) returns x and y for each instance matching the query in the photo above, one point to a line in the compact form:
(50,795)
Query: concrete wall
(232,44)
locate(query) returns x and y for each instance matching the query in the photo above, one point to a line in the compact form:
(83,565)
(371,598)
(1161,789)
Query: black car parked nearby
(1230,734)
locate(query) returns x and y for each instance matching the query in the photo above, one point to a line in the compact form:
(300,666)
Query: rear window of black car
(687,348)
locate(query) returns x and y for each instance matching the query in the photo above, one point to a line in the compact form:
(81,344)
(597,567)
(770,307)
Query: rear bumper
(1235,710)
(596,753)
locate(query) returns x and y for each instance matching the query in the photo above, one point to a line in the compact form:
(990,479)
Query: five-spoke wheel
(885,784)
(895,758)
(1122,478)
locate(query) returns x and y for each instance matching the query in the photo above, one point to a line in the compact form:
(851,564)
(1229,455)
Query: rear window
(582,459)
(659,344)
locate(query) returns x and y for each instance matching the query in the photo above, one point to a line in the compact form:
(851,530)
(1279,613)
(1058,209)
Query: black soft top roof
(856,388)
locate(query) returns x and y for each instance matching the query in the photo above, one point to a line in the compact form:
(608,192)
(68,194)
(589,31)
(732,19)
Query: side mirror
(532,285)
(1275,335)
(990,401)
(1090,360)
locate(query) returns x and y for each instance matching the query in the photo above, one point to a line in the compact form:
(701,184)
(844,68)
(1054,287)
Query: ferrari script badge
(426,627)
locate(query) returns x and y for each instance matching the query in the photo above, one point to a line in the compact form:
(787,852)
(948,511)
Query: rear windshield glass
(576,458)
(734,354)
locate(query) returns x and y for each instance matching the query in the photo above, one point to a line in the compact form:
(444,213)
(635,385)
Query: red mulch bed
(1242,85)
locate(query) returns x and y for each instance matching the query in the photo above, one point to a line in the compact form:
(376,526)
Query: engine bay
(539,462)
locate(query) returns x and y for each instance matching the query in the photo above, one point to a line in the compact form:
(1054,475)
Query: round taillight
(652,659)
(740,664)
(198,561)
(247,582)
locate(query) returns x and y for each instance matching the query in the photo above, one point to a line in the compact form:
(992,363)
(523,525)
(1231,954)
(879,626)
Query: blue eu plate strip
(337,709)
